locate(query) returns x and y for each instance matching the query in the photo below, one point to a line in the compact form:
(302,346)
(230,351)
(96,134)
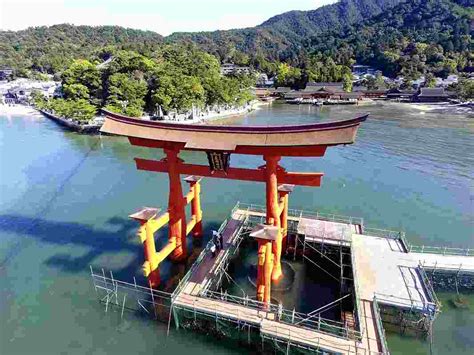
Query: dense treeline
(414,38)
(175,78)
(431,37)
(52,49)
(281,37)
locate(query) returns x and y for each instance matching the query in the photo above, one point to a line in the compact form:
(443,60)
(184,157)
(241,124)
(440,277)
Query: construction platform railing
(433,304)
(130,296)
(357,302)
(379,325)
(426,307)
(384,233)
(369,231)
(440,250)
(411,248)
(287,316)
(298,213)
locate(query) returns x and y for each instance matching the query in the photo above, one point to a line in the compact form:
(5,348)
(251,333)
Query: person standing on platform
(213,249)
(220,238)
(216,239)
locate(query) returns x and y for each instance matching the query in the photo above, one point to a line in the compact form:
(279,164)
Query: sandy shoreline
(17,110)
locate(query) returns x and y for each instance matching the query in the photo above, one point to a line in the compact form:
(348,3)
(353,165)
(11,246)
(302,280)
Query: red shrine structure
(219,142)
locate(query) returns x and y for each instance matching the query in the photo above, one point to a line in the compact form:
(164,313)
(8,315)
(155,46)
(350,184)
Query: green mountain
(413,38)
(281,37)
(52,49)
(408,37)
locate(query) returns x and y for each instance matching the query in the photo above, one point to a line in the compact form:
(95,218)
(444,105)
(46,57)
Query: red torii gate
(273,142)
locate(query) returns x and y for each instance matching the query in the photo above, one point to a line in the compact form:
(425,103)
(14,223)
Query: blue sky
(162,16)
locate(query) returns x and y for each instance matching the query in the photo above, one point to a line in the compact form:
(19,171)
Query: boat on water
(303,101)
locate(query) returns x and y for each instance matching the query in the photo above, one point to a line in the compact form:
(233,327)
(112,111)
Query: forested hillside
(409,38)
(281,37)
(52,49)
(416,37)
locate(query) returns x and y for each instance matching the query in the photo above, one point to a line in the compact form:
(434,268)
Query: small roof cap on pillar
(286,188)
(264,231)
(192,178)
(145,214)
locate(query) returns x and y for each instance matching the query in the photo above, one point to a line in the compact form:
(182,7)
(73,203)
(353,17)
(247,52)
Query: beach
(17,109)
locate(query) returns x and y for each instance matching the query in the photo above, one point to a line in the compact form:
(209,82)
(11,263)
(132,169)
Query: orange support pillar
(268,267)
(283,192)
(150,256)
(262,249)
(273,210)
(264,271)
(177,224)
(146,217)
(194,182)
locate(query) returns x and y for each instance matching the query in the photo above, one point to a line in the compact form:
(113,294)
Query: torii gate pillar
(283,192)
(176,205)
(265,236)
(273,210)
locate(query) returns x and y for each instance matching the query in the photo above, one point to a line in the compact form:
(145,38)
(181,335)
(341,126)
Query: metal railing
(407,303)
(368,231)
(447,268)
(433,304)
(357,313)
(384,233)
(299,213)
(130,296)
(379,325)
(286,316)
(440,250)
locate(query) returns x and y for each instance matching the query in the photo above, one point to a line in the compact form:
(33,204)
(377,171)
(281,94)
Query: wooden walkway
(271,328)
(206,268)
(222,309)
(326,232)
(304,336)
(377,260)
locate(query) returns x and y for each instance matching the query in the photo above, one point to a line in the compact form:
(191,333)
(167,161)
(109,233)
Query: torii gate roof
(288,140)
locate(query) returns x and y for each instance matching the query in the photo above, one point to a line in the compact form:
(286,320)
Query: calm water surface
(64,201)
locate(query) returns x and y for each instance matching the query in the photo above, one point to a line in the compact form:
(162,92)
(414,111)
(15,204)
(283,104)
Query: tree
(38,99)
(465,89)
(347,82)
(76,91)
(126,94)
(86,74)
(379,81)
(430,81)
(179,92)
(287,75)
(371,83)
(80,110)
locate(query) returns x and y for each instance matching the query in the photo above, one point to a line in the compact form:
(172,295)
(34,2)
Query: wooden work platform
(381,267)
(327,232)
(222,309)
(189,298)
(369,343)
(207,267)
(390,274)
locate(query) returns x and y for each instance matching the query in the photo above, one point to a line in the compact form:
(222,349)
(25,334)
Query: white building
(230,68)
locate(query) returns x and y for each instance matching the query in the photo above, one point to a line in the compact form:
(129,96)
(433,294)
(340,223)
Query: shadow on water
(104,246)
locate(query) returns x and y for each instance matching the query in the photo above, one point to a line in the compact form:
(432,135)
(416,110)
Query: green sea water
(65,198)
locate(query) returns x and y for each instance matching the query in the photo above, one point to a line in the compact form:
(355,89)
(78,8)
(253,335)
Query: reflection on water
(65,197)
